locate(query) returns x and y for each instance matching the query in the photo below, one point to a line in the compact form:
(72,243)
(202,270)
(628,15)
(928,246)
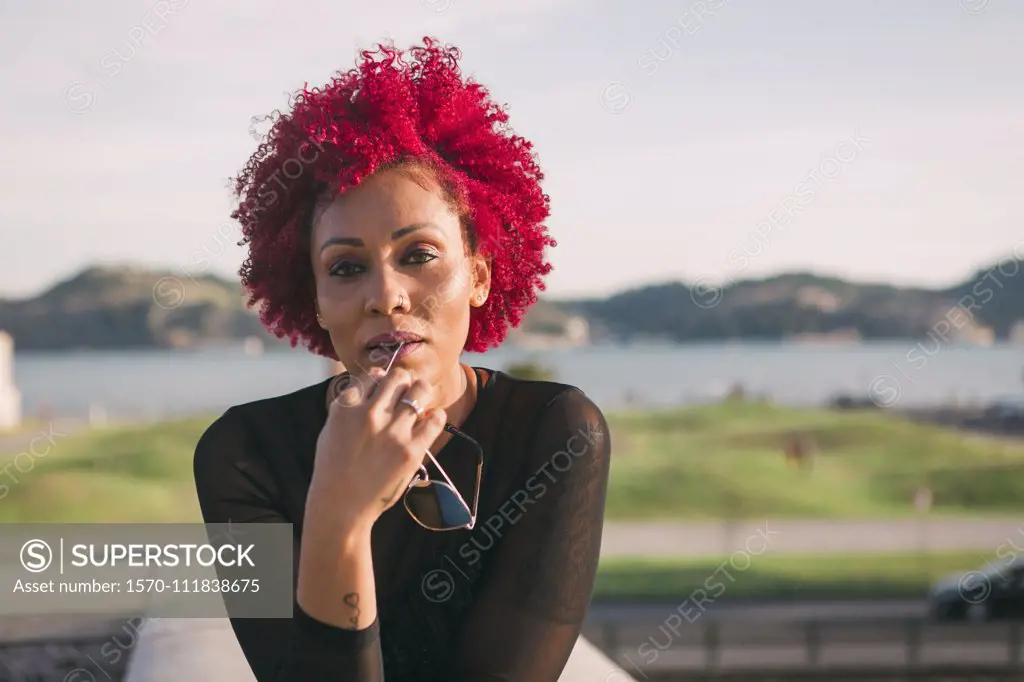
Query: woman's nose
(387,301)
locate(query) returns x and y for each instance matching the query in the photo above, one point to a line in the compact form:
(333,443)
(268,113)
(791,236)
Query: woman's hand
(369,449)
(372,445)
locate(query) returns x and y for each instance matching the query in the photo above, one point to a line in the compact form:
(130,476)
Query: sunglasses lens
(436,505)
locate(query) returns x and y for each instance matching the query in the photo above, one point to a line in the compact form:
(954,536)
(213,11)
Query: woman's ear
(319,315)
(481,280)
(316,303)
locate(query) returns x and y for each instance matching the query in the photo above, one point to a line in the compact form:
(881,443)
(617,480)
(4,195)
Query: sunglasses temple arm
(421,475)
(454,488)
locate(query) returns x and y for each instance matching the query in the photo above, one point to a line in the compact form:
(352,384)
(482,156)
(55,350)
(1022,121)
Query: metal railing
(786,649)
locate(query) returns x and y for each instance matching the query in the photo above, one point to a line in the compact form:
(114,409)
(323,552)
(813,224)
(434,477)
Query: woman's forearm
(336,584)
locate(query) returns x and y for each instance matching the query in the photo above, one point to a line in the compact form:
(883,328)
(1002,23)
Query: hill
(798,304)
(130,307)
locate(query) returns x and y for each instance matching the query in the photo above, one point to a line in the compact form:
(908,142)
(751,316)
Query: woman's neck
(457,404)
(458,395)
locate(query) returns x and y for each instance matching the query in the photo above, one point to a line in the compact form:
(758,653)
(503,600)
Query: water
(155,384)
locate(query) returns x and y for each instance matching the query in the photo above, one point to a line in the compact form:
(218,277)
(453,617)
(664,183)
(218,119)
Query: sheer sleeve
(530,606)
(234,483)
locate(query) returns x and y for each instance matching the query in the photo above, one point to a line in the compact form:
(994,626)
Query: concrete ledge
(171,650)
(588,664)
(206,649)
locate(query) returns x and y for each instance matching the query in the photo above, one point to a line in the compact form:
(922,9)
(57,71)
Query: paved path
(46,434)
(781,611)
(986,536)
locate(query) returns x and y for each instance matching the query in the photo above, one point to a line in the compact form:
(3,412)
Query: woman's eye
(422,256)
(344,269)
(348,268)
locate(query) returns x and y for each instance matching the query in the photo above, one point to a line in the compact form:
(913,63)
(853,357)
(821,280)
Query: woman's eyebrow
(355,241)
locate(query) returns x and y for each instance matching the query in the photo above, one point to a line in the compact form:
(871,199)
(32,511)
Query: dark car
(1007,413)
(994,591)
(1004,415)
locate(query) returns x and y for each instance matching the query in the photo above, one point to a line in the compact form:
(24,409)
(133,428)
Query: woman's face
(389,257)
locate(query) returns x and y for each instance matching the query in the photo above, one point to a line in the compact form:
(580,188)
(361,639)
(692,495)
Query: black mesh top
(502,602)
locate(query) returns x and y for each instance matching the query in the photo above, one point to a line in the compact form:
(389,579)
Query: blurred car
(1001,415)
(1007,412)
(994,591)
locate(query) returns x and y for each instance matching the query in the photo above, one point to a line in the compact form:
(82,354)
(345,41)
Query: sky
(706,140)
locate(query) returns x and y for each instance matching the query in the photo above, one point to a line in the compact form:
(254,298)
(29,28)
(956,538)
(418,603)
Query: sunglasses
(438,505)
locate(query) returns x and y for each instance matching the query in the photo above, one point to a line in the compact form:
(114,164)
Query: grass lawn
(709,462)
(132,474)
(727,460)
(780,577)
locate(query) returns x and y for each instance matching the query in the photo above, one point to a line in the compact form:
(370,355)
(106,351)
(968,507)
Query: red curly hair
(396,109)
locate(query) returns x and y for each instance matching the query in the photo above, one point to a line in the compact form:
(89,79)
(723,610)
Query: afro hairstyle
(396,108)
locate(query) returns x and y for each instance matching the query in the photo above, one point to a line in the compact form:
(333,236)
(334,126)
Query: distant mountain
(132,307)
(800,304)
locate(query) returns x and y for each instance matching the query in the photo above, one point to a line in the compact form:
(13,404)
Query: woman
(393,222)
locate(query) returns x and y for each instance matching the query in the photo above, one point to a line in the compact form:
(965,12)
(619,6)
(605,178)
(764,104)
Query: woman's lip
(389,340)
(393,353)
(387,351)
(392,345)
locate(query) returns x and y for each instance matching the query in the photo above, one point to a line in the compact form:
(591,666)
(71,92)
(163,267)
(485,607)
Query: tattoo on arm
(352,600)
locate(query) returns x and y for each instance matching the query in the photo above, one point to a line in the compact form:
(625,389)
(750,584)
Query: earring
(320,321)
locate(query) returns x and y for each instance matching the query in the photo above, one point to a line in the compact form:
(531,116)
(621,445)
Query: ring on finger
(414,404)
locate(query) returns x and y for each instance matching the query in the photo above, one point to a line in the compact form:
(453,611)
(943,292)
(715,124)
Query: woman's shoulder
(266,418)
(546,419)
(522,398)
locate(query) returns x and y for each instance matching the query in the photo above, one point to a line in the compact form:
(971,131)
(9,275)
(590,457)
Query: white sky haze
(671,133)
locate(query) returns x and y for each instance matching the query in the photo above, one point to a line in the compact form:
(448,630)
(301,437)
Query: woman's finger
(426,429)
(348,390)
(419,393)
(388,390)
(356,388)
